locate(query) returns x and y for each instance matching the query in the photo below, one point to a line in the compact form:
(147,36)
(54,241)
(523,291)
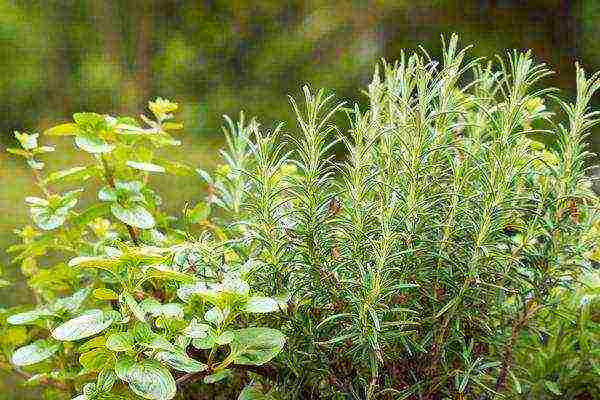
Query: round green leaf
(28,141)
(218,376)
(214,315)
(134,215)
(151,306)
(88,120)
(27,317)
(82,327)
(93,343)
(169,310)
(121,341)
(106,380)
(71,303)
(252,392)
(175,168)
(204,343)
(80,174)
(45,219)
(34,353)
(199,213)
(134,307)
(105,294)
(147,378)
(172,310)
(107,194)
(225,338)
(196,330)
(208,291)
(96,359)
(256,346)
(553,387)
(180,361)
(157,342)
(235,286)
(93,144)
(168,273)
(142,332)
(62,130)
(90,214)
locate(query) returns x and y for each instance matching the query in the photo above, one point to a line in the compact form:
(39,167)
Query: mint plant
(153,307)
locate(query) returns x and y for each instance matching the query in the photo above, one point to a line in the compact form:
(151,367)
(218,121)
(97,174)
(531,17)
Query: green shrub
(412,266)
(560,357)
(144,296)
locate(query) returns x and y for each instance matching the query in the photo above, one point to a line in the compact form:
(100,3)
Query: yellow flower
(28,142)
(162,107)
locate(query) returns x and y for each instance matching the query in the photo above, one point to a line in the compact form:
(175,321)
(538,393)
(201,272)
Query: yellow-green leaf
(68,129)
(105,294)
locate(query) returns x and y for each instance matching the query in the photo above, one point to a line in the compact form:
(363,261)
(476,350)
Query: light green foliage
(145,290)
(34,353)
(560,357)
(414,266)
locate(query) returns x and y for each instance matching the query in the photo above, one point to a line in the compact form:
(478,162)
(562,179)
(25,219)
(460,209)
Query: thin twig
(110,180)
(268,371)
(44,381)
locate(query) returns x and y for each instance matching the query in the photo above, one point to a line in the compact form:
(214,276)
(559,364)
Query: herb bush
(416,266)
(561,360)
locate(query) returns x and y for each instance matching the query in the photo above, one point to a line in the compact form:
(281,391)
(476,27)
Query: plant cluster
(416,265)
(148,299)
(560,357)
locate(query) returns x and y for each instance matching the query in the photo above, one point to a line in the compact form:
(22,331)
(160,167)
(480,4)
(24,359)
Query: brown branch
(39,181)
(110,180)
(507,358)
(267,371)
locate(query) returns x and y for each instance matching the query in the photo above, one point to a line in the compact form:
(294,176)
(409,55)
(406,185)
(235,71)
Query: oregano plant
(137,305)
(407,257)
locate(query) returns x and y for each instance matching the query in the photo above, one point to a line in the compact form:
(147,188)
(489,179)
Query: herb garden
(442,247)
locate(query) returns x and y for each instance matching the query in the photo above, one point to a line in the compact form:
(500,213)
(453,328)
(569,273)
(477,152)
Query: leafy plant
(407,258)
(560,357)
(153,306)
(416,262)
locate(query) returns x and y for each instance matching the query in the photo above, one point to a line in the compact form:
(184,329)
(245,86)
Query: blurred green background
(216,57)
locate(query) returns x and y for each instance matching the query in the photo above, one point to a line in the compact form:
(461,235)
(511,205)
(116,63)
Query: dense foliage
(559,357)
(424,264)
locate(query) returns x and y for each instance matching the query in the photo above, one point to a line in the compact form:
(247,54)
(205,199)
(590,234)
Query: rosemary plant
(414,264)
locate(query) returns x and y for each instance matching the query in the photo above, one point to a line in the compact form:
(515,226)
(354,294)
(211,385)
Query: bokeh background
(217,57)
